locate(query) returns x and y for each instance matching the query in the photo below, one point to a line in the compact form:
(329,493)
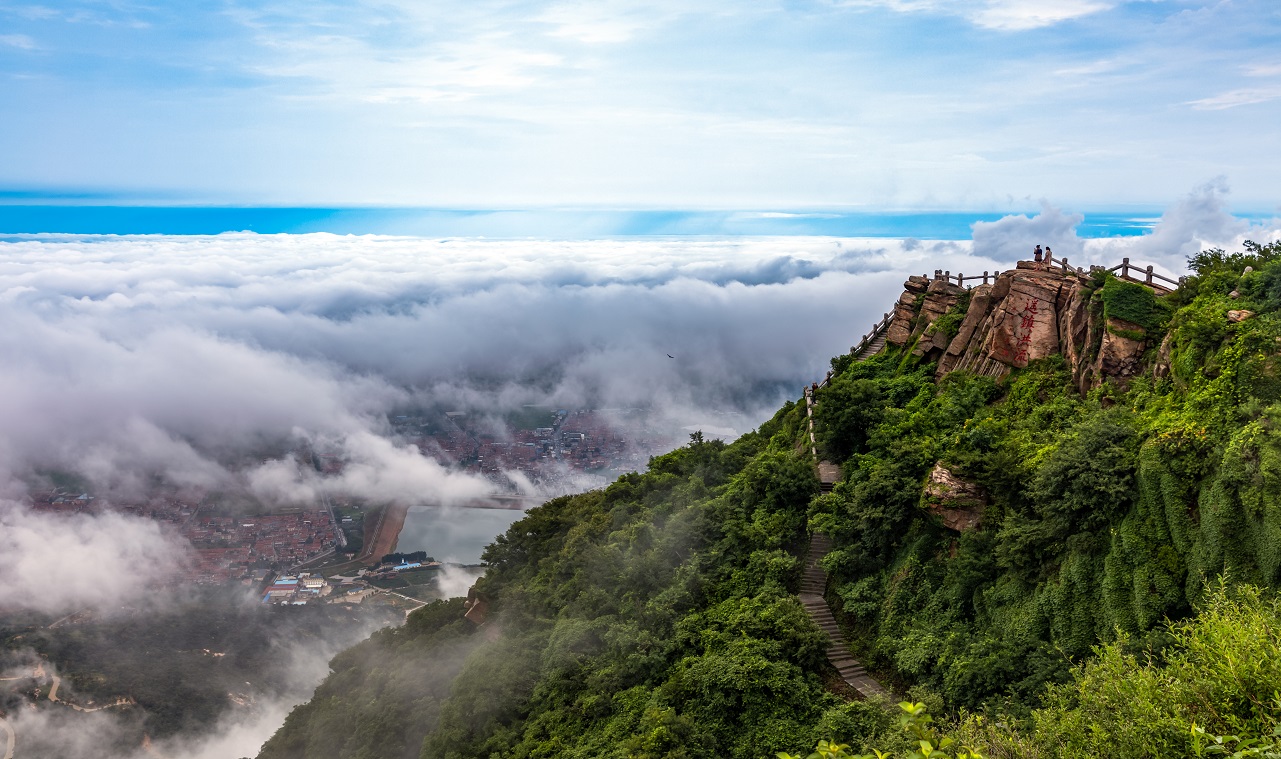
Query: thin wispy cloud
(1262,69)
(1004,15)
(20,41)
(1018,15)
(1237,98)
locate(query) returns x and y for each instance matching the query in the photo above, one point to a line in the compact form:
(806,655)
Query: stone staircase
(873,347)
(814,579)
(828,475)
(813,586)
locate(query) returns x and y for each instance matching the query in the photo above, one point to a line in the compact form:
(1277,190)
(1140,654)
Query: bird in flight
(670,356)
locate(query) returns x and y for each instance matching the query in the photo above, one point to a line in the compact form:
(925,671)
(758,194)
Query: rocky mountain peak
(1035,310)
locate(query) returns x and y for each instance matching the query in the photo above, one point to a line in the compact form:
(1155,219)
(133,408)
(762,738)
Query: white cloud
(20,41)
(1262,69)
(1199,220)
(55,563)
(1021,15)
(454,581)
(131,358)
(599,22)
(1013,237)
(1003,15)
(1236,98)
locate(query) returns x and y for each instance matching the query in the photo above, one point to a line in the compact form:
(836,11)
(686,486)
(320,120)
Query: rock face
(1161,367)
(1121,351)
(1028,313)
(476,608)
(959,503)
(900,330)
(940,297)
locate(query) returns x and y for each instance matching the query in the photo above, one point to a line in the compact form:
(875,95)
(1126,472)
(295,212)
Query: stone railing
(960,279)
(1141,275)
(1148,278)
(877,330)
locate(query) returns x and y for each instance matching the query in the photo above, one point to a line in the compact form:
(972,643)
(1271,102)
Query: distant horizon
(26,219)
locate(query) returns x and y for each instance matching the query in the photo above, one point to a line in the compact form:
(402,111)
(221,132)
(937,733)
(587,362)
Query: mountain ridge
(1111,472)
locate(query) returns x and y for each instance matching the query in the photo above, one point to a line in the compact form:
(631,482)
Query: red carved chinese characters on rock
(1026,322)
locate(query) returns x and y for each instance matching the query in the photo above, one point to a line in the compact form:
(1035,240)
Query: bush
(1133,303)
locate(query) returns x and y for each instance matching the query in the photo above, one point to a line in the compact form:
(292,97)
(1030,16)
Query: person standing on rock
(1036,254)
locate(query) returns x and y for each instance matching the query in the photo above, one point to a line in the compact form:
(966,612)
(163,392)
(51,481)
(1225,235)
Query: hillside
(1043,464)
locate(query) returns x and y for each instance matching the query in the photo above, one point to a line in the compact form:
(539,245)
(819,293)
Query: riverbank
(386,533)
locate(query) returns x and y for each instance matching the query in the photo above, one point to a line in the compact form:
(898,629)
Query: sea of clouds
(127,359)
(132,359)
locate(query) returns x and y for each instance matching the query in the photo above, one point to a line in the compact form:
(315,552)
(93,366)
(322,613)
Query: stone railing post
(1125,268)
(1148,279)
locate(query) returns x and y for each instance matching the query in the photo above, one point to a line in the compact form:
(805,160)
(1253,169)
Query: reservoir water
(454,534)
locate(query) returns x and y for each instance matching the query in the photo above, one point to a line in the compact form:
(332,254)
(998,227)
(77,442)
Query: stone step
(813,585)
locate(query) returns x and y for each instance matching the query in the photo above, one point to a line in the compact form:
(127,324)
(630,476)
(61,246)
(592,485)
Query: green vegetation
(408,577)
(1133,303)
(354,530)
(657,618)
(1212,691)
(950,323)
(530,417)
(384,694)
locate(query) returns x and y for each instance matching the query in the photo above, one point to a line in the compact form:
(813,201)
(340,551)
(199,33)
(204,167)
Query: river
(453,534)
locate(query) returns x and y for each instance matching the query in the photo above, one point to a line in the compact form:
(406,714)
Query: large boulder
(1121,351)
(958,502)
(1031,312)
(900,329)
(1021,317)
(1026,326)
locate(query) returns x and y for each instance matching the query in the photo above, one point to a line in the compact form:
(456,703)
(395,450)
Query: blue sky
(875,104)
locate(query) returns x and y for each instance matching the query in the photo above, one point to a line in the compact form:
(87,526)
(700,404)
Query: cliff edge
(1030,312)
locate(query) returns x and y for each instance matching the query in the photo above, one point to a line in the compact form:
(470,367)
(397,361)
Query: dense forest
(1113,598)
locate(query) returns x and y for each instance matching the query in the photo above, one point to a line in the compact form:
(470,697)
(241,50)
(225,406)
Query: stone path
(814,580)
(828,475)
(874,347)
(813,585)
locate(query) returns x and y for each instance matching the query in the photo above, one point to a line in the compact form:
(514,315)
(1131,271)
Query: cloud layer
(132,357)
